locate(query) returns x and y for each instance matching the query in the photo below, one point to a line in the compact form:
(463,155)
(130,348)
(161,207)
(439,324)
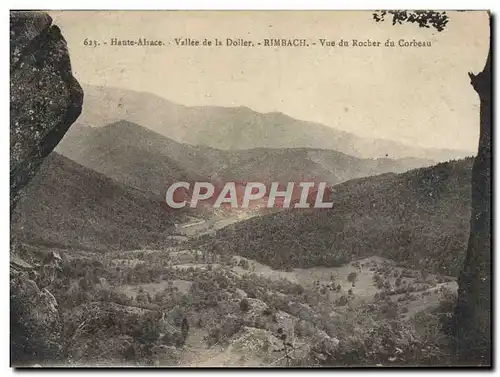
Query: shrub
(370,336)
(244,305)
(342,301)
(352,277)
(223,332)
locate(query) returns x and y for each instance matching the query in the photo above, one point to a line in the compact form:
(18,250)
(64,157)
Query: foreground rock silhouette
(472,322)
(45,99)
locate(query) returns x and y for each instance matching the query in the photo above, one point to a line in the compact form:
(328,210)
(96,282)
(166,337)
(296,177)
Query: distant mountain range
(103,188)
(239,127)
(144,159)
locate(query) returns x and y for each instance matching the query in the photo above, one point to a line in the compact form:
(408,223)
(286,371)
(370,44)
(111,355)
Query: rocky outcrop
(45,98)
(103,332)
(35,323)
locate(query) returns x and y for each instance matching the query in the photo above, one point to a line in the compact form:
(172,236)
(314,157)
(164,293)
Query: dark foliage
(419,218)
(423,18)
(67,205)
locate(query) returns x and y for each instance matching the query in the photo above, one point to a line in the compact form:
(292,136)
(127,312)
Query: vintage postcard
(250,188)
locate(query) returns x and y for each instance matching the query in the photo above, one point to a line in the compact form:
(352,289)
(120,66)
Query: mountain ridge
(231,128)
(420,218)
(142,158)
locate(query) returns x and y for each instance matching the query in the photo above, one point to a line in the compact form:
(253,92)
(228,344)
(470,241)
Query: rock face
(45,98)
(35,323)
(106,332)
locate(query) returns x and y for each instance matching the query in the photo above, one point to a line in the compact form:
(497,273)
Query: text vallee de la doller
(272,42)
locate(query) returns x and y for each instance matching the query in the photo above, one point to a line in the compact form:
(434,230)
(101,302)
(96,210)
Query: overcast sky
(416,95)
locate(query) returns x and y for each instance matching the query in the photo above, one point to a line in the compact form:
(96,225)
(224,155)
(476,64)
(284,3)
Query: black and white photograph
(250,188)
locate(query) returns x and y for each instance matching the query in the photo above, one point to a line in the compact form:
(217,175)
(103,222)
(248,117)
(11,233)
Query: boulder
(325,344)
(19,265)
(101,331)
(35,323)
(241,293)
(103,283)
(254,312)
(45,98)
(49,299)
(258,348)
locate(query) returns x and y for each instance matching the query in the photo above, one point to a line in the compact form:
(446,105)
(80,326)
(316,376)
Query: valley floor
(243,313)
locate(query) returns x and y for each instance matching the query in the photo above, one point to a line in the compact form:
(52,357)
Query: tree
(287,346)
(184,328)
(472,319)
(398,281)
(142,298)
(244,305)
(424,274)
(424,18)
(351,278)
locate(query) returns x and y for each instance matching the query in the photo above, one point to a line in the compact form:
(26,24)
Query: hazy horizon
(83,84)
(416,96)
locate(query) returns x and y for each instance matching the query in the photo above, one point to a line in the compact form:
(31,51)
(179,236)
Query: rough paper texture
(383,113)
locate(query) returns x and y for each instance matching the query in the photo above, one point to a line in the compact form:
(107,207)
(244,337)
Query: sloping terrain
(239,312)
(237,127)
(420,218)
(173,304)
(144,159)
(136,156)
(68,205)
(296,164)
